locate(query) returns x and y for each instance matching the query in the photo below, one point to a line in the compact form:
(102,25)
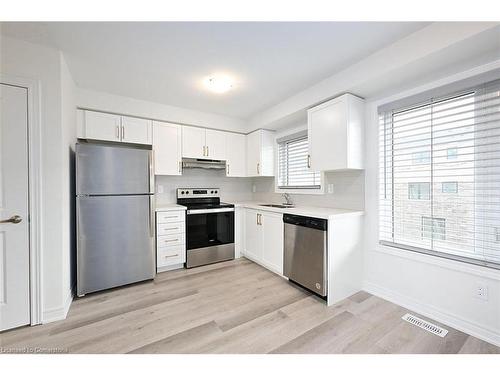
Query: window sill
(319,191)
(450,264)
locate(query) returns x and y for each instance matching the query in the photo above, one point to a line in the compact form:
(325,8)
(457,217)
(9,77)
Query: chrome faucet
(288,199)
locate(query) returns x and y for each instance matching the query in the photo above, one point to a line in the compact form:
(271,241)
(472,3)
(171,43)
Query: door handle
(16,219)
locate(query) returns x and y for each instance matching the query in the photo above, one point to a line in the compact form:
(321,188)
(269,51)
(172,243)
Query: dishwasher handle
(306,221)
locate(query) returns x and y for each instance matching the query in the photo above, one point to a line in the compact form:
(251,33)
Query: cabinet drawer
(170,228)
(170,256)
(170,216)
(170,240)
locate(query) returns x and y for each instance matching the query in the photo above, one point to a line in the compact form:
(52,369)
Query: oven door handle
(210,211)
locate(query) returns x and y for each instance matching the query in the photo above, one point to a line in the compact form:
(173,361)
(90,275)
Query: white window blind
(293,165)
(440,176)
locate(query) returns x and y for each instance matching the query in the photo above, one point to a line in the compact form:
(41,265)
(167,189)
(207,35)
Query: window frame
(295,190)
(436,256)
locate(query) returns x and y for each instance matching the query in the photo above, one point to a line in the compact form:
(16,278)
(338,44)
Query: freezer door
(115,241)
(108,169)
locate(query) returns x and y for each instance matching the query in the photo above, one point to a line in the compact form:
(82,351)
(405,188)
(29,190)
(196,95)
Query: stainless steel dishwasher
(305,259)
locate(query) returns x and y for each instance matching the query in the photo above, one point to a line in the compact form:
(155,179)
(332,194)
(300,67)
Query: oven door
(205,228)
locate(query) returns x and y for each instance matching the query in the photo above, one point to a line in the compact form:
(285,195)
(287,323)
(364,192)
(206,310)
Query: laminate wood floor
(232,307)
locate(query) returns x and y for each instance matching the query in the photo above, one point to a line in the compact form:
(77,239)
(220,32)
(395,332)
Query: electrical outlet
(160,189)
(330,189)
(482,292)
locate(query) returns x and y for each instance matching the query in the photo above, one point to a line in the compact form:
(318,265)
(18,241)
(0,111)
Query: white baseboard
(58,313)
(434,313)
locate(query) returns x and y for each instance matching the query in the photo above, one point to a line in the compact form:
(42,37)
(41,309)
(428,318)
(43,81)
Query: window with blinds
(293,170)
(440,176)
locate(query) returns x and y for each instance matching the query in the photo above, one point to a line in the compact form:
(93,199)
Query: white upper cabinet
(109,127)
(193,142)
(260,153)
(235,155)
(336,134)
(136,130)
(215,142)
(99,125)
(167,144)
(200,143)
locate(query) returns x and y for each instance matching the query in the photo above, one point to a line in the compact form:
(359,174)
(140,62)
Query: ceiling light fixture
(218,84)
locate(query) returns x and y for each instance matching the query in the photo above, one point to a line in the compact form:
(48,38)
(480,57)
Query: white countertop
(169,207)
(319,212)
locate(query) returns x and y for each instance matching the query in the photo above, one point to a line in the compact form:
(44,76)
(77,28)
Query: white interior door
(14,235)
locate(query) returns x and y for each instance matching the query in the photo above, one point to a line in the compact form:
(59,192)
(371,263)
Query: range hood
(203,163)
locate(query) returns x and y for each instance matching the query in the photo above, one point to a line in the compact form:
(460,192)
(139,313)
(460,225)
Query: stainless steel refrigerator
(115,216)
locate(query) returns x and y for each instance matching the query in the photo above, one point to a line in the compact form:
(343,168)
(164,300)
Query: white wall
(43,64)
(68,123)
(102,101)
(439,288)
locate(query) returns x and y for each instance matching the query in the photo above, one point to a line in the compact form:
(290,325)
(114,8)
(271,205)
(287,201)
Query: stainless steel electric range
(209,226)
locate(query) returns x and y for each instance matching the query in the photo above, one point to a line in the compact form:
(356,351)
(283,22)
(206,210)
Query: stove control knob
(182,192)
(187,192)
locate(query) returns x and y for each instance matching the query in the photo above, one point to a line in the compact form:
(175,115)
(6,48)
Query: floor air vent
(425,325)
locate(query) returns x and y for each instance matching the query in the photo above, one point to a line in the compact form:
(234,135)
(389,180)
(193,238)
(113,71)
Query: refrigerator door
(115,241)
(108,169)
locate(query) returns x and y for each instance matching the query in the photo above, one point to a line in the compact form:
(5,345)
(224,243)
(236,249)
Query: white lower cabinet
(264,239)
(170,240)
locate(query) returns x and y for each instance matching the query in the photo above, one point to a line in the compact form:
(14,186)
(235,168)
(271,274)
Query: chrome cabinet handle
(171,256)
(171,228)
(172,240)
(123,132)
(308,161)
(258,168)
(117,132)
(16,219)
(227,171)
(180,167)
(204,150)
(208,152)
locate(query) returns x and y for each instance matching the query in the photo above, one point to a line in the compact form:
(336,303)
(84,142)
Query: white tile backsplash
(231,188)
(348,188)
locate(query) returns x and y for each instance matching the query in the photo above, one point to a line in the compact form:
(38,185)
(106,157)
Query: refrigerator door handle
(151,172)
(151,216)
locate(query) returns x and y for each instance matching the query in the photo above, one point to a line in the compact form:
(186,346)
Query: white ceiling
(165,62)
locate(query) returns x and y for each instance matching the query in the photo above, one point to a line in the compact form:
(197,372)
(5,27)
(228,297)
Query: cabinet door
(136,130)
(253,235)
(167,148)
(272,233)
(215,142)
(193,142)
(102,126)
(235,155)
(253,153)
(327,132)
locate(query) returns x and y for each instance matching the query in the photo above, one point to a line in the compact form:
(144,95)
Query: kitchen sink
(277,205)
